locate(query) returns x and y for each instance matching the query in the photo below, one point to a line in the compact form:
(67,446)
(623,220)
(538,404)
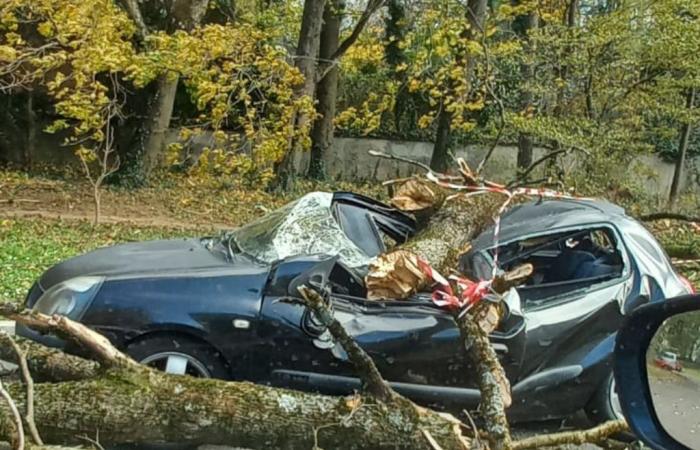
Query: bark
(30,147)
(129,403)
(682,151)
(440,160)
(50,365)
(450,229)
(306,56)
(476,14)
(597,434)
(493,384)
(129,406)
(326,91)
(524,25)
(159,120)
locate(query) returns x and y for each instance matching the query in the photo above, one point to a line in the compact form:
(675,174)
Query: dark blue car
(219,306)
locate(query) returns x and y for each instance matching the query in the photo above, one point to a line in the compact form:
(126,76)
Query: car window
(306,226)
(563,263)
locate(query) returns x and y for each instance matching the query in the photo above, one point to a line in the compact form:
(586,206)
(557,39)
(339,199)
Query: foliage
(82,52)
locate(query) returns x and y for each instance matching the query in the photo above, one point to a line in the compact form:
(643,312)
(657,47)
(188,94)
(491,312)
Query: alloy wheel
(176,363)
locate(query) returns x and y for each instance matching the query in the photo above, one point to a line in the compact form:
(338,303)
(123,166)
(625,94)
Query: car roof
(537,216)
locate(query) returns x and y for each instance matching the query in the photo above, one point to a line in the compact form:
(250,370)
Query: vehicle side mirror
(657,371)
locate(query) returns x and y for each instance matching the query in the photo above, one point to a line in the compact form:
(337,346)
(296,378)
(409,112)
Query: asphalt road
(677,402)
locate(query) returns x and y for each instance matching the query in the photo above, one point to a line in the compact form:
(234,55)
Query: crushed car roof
(540,215)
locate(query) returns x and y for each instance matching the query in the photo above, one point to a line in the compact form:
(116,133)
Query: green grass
(30,246)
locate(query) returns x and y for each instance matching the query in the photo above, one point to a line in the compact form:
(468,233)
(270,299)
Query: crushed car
(224,306)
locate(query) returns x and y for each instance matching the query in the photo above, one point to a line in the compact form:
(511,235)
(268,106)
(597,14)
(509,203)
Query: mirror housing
(630,369)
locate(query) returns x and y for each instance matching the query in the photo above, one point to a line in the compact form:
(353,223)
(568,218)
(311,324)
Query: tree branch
(523,175)
(597,434)
(372,380)
(48,364)
(372,7)
(18,443)
(668,215)
(134,12)
(29,383)
(97,345)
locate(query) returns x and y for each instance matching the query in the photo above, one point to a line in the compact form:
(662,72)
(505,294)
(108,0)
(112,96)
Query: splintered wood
(395,275)
(417,195)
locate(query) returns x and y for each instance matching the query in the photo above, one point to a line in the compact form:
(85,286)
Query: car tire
(179,355)
(604,405)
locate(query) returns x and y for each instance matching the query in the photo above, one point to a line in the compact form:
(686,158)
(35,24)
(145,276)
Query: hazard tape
(472,292)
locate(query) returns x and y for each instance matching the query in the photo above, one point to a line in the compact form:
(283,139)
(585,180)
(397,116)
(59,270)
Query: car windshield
(305,226)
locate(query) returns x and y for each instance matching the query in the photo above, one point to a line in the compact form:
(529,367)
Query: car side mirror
(657,373)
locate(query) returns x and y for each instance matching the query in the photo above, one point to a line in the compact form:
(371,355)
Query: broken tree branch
(18,441)
(29,383)
(97,345)
(668,216)
(372,380)
(130,403)
(597,434)
(493,384)
(48,364)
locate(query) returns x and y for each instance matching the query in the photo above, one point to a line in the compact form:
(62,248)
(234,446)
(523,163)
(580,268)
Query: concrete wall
(349,160)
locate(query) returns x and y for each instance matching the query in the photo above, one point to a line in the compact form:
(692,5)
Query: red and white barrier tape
(471,292)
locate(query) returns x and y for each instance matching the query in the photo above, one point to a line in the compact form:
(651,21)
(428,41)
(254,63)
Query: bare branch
(29,383)
(668,216)
(372,380)
(372,7)
(18,444)
(98,346)
(523,175)
(597,434)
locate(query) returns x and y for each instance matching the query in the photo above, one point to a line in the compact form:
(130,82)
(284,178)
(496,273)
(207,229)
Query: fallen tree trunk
(128,403)
(130,406)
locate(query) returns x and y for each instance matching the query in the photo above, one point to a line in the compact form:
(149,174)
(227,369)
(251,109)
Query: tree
(326,88)
(84,53)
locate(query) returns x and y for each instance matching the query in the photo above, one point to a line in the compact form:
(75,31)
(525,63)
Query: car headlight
(69,298)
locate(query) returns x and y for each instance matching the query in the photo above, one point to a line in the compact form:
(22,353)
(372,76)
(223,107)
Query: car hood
(138,258)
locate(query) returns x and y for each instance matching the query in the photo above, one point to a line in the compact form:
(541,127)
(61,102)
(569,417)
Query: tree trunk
(524,24)
(326,91)
(440,160)
(180,409)
(306,56)
(158,121)
(30,147)
(449,230)
(682,150)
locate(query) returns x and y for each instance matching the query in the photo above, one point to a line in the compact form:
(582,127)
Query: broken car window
(563,262)
(306,226)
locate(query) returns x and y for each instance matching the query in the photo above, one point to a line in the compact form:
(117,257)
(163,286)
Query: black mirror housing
(631,373)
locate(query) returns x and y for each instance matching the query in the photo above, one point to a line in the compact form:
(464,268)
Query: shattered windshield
(305,226)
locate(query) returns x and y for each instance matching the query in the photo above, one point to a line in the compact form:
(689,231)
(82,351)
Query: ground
(44,220)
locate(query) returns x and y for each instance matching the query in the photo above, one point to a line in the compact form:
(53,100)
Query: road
(677,402)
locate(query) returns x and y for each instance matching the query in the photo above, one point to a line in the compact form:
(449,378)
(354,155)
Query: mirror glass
(673,368)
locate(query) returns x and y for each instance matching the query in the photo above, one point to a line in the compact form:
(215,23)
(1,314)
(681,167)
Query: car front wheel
(179,355)
(605,403)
